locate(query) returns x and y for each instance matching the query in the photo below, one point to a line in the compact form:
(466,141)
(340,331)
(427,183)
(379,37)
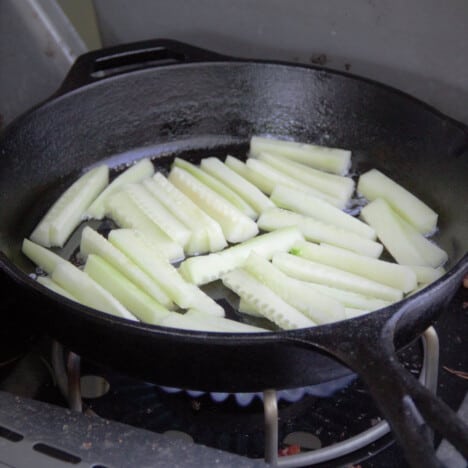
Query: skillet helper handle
(105,63)
(409,407)
(368,348)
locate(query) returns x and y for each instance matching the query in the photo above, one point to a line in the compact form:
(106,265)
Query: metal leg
(68,377)
(58,366)
(74,390)
(430,367)
(271,426)
(431,359)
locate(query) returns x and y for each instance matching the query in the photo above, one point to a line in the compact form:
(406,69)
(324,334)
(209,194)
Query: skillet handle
(410,408)
(104,63)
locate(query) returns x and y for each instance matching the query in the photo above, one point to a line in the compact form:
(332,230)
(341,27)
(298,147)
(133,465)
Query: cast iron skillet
(121,104)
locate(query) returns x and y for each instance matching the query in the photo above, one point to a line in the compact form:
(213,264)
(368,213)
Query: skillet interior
(197,110)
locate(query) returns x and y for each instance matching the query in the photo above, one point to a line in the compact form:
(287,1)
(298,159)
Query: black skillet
(163,98)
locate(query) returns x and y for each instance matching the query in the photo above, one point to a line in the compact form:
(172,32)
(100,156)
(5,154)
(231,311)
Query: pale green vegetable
(303,203)
(139,171)
(269,304)
(317,231)
(254,177)
(207,235)
(426,275)
(307,270)
(236,226)
(266,178)
(432,254)
(245,189)
(351,313)
(158,213)
(247,308)
(335,186)
(319,308)
(391,274)
(148,258)
(42,257)
(324,158)
(350,299)
(185,322)
(406,245)
(67,212)
(224,324)
(207,268)
(93,243)
(125,212)
(87,291)
(53,286)
(384,221)
(418,289)
(127,293)
(220,188)
(272,177)
(374,184)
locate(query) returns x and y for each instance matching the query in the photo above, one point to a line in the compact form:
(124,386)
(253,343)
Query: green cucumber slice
(42,257)
(303,203)
(374,184)
(350,299)
(221,189)
(245,189)
(224,324)
(317,231)
(139,171)
(427,275)
(128,294)
(235,225)
(335,160)
(67,212)
(182,321)
(208,268)
(158,213)
(87,291)
(307,270)
(254,177)
(125,212)
(351,313)
(148,258)
(406,245)
(247,308)
(432,254)
(272,177)
(335,186)
(53,286)
(93,243)
(391,274)
(269,304)
(319,308)
(207,235)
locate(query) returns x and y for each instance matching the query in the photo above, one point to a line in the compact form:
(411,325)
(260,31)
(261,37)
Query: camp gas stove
(57,409)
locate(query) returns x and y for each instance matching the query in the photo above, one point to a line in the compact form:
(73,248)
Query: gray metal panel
(37,47)
(419,46)
(95,441)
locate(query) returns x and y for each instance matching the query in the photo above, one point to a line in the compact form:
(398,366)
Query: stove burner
(324,390)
